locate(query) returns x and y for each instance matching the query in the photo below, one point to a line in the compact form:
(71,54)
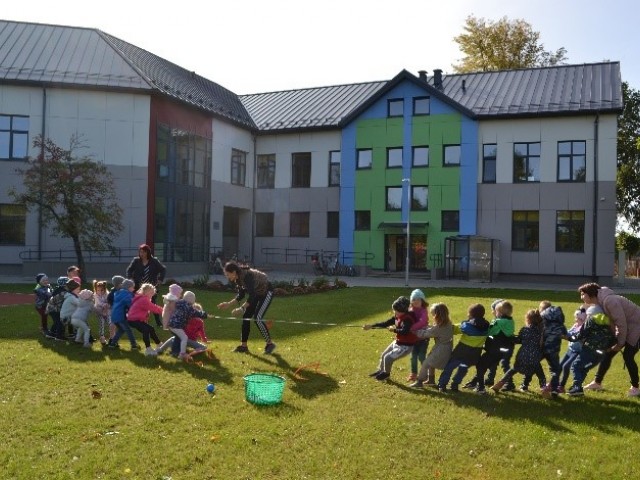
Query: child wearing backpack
(43,293)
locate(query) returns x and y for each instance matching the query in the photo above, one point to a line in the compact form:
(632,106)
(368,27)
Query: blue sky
(251,46)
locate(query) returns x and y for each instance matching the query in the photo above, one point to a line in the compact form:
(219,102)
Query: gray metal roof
(32,53)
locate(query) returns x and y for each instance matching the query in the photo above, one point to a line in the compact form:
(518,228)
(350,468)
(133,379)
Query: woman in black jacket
(145,268)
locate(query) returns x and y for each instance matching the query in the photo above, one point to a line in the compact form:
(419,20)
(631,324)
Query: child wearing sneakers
(138,316)
(169,303)
(121,302)
(102,308)
(183,312)
(469,348)
(419,308)
(55,305)
(70,302)
(116,281)
(43,293)
(195,333)
(400,324)
(552,334)
(573,349)
(442,334)
(80,317)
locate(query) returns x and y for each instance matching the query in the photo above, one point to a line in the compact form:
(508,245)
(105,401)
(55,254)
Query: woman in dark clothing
(256,286)
(145,268)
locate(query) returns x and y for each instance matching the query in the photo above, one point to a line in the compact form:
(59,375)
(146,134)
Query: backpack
(597,336)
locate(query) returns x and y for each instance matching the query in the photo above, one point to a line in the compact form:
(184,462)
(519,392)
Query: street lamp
(406,263)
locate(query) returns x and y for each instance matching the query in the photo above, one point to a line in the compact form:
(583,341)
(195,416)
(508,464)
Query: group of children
(488,345)
(119,311)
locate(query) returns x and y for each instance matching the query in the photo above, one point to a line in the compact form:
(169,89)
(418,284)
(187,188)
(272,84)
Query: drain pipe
(594,251)
(42,132)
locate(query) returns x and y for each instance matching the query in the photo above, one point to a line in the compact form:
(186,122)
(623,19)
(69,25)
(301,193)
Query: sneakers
(595,386)
(135,347)
(497,386)
(382,376)
(546,391)
(269,348)
(87,345)
(103,340)
(242,349)
(471,385)
(412,377)
(523,388)
(561,389)
(375,374)
(480,391)
(150,352)
(454,388)
(633,392)
(113,345)
(576,391)
(509,387)
(431,384)
(417,384)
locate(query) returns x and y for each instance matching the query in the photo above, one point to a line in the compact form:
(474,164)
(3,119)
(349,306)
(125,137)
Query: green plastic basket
(263,388)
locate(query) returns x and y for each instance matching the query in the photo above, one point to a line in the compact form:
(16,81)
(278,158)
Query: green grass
(155,420)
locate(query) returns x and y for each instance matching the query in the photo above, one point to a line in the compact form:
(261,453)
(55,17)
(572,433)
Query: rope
(292,322)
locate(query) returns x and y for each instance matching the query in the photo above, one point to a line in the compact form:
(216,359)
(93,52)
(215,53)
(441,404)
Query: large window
(335,159)
(264,224)
(267,171)
(451,155)
(526,162)
(525,228)
(238,167)
(301,170)
(450,220)
(13,220)
(572,161)
(421,106)
(570,231)
(419,198)
(299,224)
(364,158)
(14,137)
(394,198)
(394,157)
(333,224)
(489,154)
(395,107)
(363,220)
(420,157)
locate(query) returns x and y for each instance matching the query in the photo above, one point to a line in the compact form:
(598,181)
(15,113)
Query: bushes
(300,286)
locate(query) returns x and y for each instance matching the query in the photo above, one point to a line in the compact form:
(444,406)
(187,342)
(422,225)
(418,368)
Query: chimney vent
(437,78)
(423,75)
(464,85)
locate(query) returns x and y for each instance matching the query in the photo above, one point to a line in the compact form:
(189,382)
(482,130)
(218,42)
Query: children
(530,352)
(553,333)
(499,341)
(195,332)
(54,306)
(469,348)
(102,308)
(442,333)
(419,308)
(70,302)
(573,349)
(183,312)
(43,293)
(169,300)
(121,302)
(400,324)
(138,315)
(80,317)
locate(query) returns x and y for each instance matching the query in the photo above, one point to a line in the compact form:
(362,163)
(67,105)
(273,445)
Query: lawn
(68,412)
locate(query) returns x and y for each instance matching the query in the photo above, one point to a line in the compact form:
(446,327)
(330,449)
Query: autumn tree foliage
(628,178)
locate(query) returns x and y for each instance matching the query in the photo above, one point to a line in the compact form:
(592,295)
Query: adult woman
(256,286)
(626,317)
(145,268)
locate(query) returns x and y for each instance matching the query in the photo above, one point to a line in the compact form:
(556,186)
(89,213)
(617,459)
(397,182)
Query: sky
(255,46)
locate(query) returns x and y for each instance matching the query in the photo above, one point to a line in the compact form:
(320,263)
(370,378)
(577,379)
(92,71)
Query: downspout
(594,274)
(42,131)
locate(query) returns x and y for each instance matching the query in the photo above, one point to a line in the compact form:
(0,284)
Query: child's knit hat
(40,277)
(189,297)
(62,281)
(400,305)
(170,297)
(127,284)
(175,290)
(417,294)
(116,281)
(72,284)
(85,294)
(495,303)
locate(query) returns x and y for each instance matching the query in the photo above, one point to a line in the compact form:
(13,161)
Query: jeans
(418,355)
(452,364)
(553,359)
(123,327)
(565,366)
(585,361)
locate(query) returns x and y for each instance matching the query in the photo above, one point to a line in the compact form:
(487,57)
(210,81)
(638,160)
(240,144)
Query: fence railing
(299,256)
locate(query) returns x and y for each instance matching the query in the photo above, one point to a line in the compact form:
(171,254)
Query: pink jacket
(421,319)
(624,313)
(141,306)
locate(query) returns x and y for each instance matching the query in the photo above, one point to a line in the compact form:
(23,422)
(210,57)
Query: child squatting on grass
(400,324)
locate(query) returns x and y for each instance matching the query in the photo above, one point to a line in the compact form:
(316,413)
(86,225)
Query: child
(473,383)
(553,333)
(54,306)
(116,281)
(138,315)
(43,293)
(598,336)
(573,350)
(530,352)
(121,302)
(469,348)
(183,312)
(400,324)
(419,308)
(500,340)
(80,317)
(102,308)
(195,332)
(442,333)
(70,302)
(169,300)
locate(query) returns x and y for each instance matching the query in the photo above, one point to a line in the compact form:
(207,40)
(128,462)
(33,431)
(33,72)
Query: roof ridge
(314,88)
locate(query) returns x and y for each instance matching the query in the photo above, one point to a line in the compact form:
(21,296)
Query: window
(264,224)
(335,159)
(301,170)
(421,106)
(572,161)
(419,198)
(489,154)
(570,231)
(420,157)
(395,107)
(450,220)
(364,158)
(363,220)
(451,155)
(526,162)
(238,167)
(13,220)
(394,198)
(14,137)
(333,224)
(525,228)
(299,224)
(267,171)
(394,157)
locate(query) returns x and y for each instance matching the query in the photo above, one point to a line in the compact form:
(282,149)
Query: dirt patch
(8,298)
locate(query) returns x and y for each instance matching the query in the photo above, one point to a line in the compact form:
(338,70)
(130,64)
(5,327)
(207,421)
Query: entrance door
(401,253)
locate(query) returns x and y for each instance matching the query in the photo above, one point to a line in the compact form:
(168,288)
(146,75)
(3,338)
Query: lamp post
(406,263)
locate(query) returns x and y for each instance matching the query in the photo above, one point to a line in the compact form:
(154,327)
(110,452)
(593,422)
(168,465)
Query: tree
(627,242)
(628,179)
(504,44)
(75,195)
